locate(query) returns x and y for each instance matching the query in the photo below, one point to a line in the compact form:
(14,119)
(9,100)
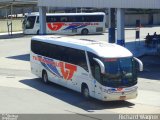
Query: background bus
(66,23)
(100,70)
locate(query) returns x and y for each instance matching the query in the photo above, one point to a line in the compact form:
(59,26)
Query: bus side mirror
(100,64)
(139,63)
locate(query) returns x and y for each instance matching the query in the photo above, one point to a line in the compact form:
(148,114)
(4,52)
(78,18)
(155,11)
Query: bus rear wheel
(84,31)
(45,77)
(85,92)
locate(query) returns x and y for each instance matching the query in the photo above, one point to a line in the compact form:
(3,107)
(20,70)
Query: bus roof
(102,49)
(65,14)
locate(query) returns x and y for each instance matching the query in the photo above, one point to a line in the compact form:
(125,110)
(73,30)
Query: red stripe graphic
(55,26)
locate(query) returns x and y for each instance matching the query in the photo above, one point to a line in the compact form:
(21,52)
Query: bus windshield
(119,72)
(29,22)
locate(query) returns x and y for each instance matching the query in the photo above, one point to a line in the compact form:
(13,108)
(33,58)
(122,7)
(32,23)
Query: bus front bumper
(120,95)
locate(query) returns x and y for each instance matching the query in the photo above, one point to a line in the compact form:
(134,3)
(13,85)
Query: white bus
(66,23)
(96,69)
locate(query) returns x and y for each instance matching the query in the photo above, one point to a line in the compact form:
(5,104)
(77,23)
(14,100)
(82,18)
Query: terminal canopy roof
(20,3)
(144,4)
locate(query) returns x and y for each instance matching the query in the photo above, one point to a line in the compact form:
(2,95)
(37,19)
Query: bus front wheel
(84,31)
(85,91)
(45,77)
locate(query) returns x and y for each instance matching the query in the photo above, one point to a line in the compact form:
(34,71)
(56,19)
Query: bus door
(97,80)
(37,25)
(96,75)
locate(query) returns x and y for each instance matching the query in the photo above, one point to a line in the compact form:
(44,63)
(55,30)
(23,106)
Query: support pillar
(120,26)
(11,18)
(111,36)
(42,20)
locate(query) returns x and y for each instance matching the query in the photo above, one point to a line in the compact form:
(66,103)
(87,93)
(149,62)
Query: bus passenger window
(63,19)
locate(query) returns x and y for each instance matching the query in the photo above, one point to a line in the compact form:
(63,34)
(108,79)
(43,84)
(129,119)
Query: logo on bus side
(55,26)
(66,69)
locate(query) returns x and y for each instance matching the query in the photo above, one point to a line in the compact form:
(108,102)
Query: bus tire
(45,77)
(84,32)
(85,91)
(37,32)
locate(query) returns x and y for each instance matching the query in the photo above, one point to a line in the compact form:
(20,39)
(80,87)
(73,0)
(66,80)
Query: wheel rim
(45,78)
(86,92)
(85,32)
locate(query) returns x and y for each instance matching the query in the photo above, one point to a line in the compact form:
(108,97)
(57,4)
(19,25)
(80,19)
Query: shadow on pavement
(74,98)
(150,60)
(138,48)
(151,67)
(6,36)
(96,34)
(25,57)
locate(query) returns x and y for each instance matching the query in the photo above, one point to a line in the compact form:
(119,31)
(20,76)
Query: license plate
(122,97)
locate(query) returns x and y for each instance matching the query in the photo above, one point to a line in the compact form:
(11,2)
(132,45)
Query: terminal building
(116,12)
(148,16)
(120,13)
